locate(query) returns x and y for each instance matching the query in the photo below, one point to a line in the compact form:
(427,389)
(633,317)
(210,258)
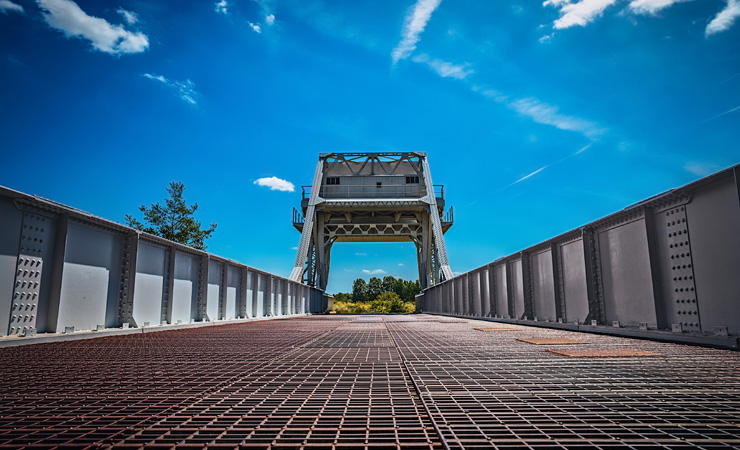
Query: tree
(388,282)
(359,290)
(374,288)
(410,290)
(174,220)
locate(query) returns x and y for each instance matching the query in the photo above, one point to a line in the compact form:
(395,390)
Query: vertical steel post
(128,279)
(243,286)
(655,274)
(57,270)
(593,276)
(168,296)
(492,291)
(202,298)
(511,313)
(557,282)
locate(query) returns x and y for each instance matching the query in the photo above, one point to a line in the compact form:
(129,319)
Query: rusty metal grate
(336,382)
(552,341)
(604,353)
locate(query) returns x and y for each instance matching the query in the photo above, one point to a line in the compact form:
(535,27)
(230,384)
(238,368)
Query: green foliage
(359,290)
(174,220)
(374,288)
(390,295)
(343,297)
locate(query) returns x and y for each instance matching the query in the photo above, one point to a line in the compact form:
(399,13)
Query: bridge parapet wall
(64,270)
(665,267)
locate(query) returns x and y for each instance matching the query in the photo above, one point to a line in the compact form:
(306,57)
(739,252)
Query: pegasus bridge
(621,334)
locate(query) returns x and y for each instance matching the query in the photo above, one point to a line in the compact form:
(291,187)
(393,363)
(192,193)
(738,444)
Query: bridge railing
(669,265)
(62,269)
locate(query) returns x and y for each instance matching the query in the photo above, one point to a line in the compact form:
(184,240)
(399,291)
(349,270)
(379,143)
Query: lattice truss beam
(371,197)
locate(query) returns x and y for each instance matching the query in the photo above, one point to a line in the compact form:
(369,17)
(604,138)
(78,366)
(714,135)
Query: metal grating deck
(410,382)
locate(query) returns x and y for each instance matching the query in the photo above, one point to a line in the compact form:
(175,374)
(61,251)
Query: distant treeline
(363,291)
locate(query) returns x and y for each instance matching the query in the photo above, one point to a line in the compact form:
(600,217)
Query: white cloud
(270,19)
(255,27)
(701,169)
(731,110)
(580,13)
(222,7)
(130,17)
(294,248)
(185,89)
(414,24)
(66,16)
(373,272)
(443,68)
(546,114)
(275,184)
(6,5)
(724,19)
(546,38)
(651,7)
(400,264)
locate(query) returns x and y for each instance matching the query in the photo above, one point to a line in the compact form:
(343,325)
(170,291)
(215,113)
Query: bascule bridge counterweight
(372,197)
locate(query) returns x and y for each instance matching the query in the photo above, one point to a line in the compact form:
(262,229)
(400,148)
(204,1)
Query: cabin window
(412,180)
(378,184)
(332,180)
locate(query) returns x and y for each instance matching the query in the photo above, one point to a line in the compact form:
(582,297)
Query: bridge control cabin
(372,197)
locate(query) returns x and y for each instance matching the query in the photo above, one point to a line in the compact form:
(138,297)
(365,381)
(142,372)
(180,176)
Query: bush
(386,303)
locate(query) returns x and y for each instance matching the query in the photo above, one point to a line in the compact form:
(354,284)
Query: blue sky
(538,117)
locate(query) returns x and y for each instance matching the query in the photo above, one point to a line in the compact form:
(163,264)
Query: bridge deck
(368,381)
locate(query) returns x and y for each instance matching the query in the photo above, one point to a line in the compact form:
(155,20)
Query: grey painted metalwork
(64,270)
(371,197)
(665,268)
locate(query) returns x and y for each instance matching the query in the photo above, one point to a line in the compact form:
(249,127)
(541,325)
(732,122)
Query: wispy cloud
(531,174)
(400,264)
(270,19)
(701,169)
(373,271)
(6,5)
(724,19)
(184,89)
(256,28)
(443,68)
(651,7)
(66,16)
(731,110)
(130,17)
(294,248)
(275,184)
(360,254)
(414,24)
(578,14)
(546,114)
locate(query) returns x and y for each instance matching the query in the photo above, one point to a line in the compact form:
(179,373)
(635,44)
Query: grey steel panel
(714,226)
(215,276)
(574,281)
(502,302)
(517,288)
(185,287)
(543,285)
(150,283)
(10,229)
(232,292)
(626,276)
(91,278)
